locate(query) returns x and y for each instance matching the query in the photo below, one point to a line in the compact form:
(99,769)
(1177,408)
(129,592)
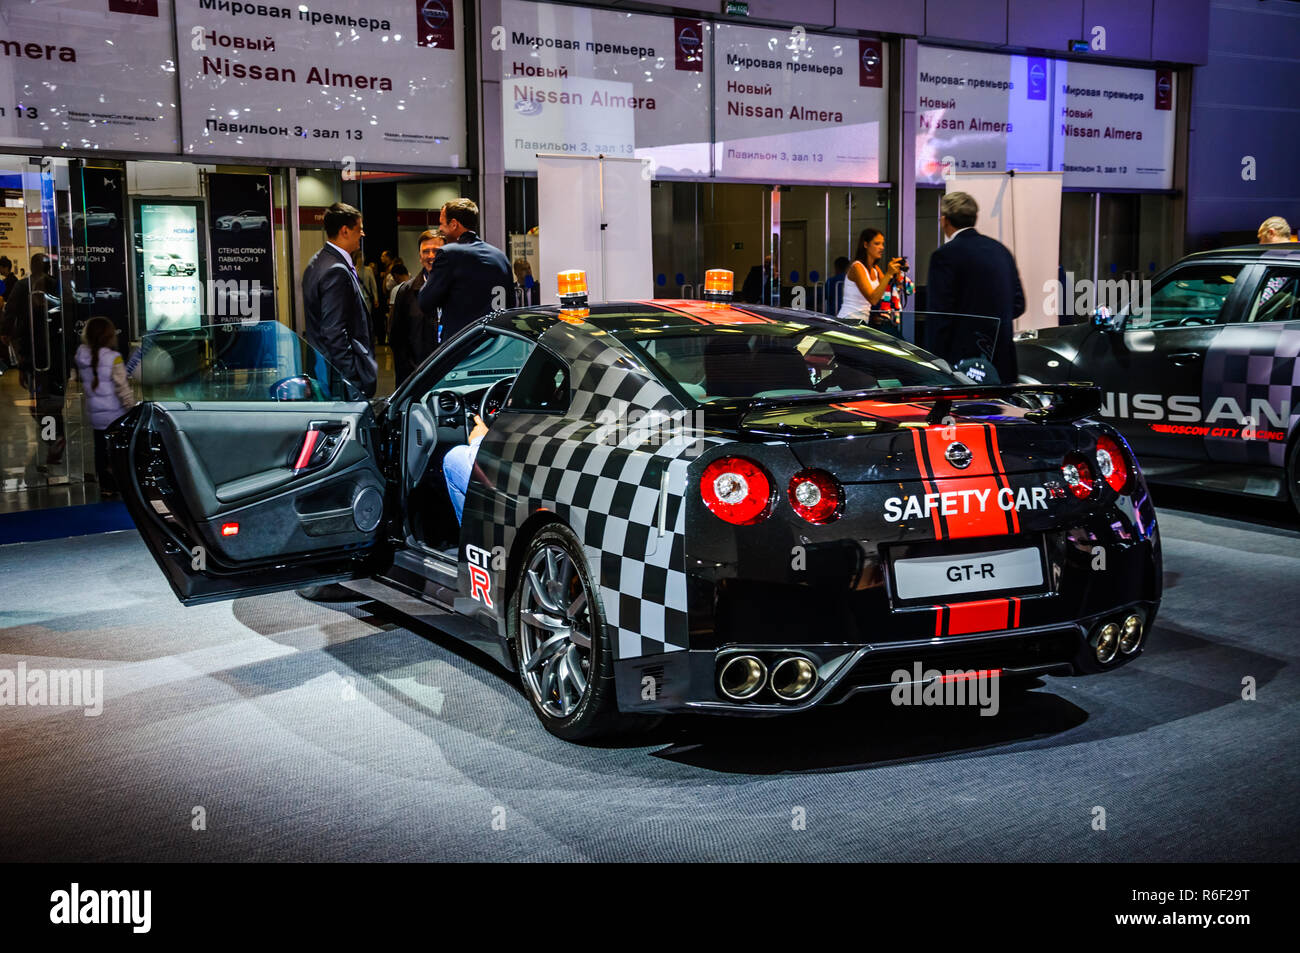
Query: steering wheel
(493,398)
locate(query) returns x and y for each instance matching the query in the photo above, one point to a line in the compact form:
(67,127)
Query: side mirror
(300,387)
(1101,318)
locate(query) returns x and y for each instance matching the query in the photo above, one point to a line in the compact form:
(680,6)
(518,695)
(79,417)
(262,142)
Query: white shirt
(854,306)
(346,256)
(956,233)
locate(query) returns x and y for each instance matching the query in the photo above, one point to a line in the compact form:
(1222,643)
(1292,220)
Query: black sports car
(1202,379)
(678,505)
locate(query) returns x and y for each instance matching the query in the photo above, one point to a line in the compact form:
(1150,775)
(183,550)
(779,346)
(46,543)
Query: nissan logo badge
(959,455)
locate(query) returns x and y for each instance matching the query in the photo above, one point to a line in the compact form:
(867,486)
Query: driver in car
(459,463)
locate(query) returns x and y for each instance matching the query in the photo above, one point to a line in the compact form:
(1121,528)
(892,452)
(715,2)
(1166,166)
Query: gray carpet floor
(336,732)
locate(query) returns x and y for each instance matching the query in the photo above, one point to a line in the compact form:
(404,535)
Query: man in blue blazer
(973,278)
(335,305)
(469,278)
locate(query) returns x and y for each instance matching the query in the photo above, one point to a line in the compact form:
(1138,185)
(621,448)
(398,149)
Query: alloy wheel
(555,631)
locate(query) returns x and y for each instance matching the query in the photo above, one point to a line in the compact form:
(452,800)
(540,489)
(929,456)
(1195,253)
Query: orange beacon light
(718,283)
(572,288)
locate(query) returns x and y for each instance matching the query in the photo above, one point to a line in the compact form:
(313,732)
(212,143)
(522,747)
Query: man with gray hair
(1274,230)
(972,276)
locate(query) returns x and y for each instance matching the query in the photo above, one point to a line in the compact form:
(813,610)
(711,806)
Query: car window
(489,358)
(542,386)
(1190,297)
(261,361)
(738,362)
(1278,297)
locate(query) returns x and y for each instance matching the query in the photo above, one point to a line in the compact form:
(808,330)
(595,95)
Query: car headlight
(1029,334)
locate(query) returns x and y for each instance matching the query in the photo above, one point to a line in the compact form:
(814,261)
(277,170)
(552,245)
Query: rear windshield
(724,363)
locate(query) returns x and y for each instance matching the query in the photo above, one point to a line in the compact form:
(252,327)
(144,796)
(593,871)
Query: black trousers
(103,469)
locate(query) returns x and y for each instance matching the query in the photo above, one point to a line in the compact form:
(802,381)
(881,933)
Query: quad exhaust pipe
(793,678)
(743,677)
(1118,636)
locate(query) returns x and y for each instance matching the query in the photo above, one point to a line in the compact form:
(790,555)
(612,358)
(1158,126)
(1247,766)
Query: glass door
(46,454)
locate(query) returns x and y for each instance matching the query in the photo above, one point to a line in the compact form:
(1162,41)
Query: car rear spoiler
(1068,402)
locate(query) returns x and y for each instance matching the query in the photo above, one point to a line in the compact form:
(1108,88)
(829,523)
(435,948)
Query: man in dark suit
(469,278)
(335,305)
(972,274)
(412,333)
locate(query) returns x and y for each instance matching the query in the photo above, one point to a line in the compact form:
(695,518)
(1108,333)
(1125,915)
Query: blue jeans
(456,468)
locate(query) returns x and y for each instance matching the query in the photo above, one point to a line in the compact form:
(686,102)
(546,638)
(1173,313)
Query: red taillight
(229,529)
(736,490)
(1078,475)
(815,495)
(1111,464)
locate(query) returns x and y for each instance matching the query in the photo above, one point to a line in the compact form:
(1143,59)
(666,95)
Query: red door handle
(309,441)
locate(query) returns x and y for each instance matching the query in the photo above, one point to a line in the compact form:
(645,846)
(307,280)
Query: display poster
(13,236)
(375,83)
(170,265)
(577,81)
(1104,127)
(242,264)
(98,229)
(88,74)
(793,106)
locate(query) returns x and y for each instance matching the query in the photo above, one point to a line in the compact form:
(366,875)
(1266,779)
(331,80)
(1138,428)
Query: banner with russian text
(334,81)
(88,74)
(794,106)
(1115,126)
(577,81)
(1102,126)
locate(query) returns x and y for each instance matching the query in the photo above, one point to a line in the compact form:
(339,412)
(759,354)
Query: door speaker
(367,508)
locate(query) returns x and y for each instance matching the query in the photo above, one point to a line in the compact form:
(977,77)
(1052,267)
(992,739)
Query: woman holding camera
(867,284)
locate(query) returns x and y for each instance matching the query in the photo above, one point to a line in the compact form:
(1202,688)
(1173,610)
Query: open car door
(252,467)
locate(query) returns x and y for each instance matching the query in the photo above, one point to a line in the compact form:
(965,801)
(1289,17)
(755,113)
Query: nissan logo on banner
(689,49)
(435,24)
(1164,89)
(1036,70)
(871,62)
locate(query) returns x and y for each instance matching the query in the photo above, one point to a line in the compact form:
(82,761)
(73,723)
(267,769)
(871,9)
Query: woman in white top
(866,283)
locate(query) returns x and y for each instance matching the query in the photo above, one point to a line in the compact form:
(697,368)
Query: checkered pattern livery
(607,491)
(1251,363)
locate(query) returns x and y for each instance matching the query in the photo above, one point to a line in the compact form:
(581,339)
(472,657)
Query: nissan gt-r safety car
(677,506)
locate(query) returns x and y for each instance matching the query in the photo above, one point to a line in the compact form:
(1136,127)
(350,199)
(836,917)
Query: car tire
(171,270)
(234,226)
(554,574)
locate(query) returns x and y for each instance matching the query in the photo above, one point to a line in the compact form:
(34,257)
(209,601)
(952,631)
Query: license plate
(945,577)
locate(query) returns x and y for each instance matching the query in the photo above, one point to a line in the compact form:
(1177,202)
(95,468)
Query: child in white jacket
(108,392)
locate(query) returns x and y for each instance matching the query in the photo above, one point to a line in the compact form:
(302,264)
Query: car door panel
(224,504)
(224,466)
(1151,368)
(1250,383)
